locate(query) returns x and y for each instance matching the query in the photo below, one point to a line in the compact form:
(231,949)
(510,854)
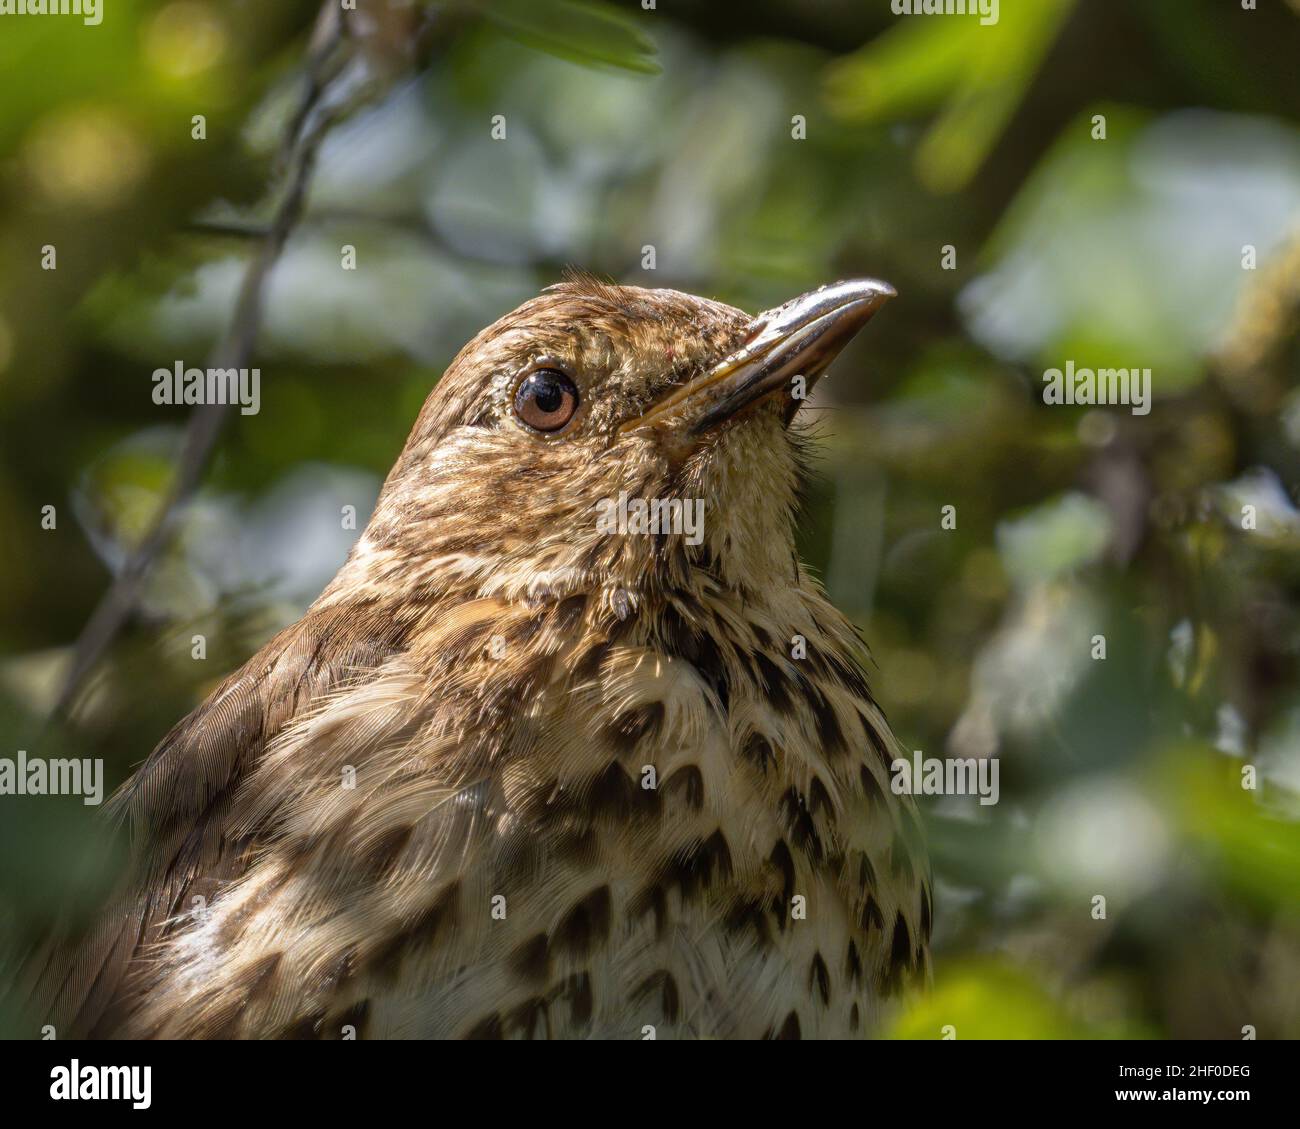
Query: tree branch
(297,156)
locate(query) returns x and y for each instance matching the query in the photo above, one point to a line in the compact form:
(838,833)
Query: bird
(524,772)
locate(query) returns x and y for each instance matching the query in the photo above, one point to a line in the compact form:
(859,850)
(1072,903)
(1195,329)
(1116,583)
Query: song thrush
(516,773)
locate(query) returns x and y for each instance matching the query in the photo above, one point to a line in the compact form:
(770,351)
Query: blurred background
(1117,184)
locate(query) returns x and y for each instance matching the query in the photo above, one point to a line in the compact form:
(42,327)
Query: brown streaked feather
(177,803)
(499,681)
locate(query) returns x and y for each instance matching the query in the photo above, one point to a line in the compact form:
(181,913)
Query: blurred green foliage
(974,78)
(931,143)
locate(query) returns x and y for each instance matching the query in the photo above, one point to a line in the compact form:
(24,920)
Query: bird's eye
(546,400)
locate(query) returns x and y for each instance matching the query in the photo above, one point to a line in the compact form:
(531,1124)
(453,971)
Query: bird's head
(610,439)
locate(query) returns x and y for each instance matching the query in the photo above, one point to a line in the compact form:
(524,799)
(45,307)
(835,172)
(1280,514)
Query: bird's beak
(800,338)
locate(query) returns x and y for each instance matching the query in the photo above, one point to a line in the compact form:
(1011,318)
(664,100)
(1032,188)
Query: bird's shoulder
(178,809)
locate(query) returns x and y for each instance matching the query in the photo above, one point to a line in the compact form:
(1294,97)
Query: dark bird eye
(546,400)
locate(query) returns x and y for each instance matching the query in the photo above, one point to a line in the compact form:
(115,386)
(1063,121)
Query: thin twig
(298,158)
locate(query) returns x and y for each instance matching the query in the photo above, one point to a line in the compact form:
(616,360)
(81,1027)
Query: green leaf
(975,73)
(1256,851)
(989,999)
(1054,538)
(591,34)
